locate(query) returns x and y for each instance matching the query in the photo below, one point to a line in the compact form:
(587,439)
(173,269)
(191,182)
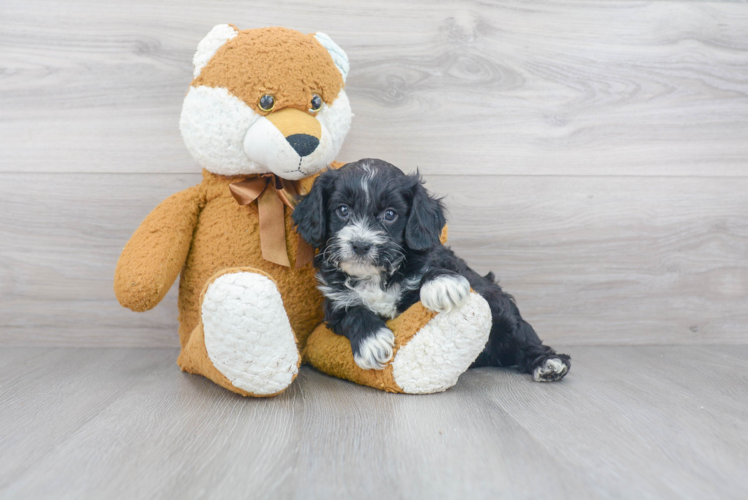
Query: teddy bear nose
(304,144)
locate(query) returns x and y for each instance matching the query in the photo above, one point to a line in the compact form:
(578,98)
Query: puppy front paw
(374,351)
(445,292)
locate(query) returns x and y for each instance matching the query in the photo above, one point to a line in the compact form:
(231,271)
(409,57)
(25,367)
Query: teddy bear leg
(245,342)
(431,349)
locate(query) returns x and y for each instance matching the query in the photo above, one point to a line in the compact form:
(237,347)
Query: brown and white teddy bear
(266,111)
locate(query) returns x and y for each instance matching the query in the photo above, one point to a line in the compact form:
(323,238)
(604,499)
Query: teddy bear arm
(154,256)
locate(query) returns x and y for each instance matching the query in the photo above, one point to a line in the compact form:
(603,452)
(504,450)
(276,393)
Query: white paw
(551,370)
(376,350)
(445,293)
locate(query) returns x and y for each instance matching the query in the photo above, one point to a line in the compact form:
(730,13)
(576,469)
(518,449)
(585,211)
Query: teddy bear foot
(248,337)
(434,358)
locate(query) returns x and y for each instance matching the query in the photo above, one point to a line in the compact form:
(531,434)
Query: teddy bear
(266,112)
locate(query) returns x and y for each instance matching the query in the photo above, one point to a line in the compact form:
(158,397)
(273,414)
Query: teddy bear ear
(209,45)
(338,55)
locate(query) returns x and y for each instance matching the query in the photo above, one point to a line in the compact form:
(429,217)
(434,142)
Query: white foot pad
(551,370)
(443,349)
(247,333)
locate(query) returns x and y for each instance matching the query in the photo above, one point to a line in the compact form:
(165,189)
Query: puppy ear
(310,214)
(426,218)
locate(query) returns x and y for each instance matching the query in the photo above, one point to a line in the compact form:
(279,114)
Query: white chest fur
(371,295)
(363,291)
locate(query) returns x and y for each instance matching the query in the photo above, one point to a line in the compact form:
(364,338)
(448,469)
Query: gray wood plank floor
(629,422)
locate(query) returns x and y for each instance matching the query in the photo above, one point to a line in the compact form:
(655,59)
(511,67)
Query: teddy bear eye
(316,103)
(267,102)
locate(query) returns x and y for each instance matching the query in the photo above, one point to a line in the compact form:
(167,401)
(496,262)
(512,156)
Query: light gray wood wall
(594,154)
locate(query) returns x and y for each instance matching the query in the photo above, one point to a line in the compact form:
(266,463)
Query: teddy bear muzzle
(290,143)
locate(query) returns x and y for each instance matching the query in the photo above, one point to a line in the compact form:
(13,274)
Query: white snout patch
(350,263)
(359,230)
(445,293)
(551,370)
(376,350)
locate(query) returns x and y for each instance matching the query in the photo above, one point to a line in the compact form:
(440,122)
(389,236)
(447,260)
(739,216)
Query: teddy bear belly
(227,236)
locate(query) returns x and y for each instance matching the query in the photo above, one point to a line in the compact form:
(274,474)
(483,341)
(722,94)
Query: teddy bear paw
(444,348)
(247,333)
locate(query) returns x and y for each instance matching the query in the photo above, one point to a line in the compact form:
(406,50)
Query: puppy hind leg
(513,341)
(537,359)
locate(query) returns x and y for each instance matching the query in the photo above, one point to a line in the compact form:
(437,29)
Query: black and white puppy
(378,232)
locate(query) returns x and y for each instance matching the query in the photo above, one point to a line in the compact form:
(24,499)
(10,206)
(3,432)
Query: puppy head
(366,217)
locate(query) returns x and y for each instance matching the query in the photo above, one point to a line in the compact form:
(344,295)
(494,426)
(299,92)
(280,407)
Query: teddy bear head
(267,100)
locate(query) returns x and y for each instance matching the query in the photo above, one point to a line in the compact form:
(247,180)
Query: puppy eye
(266,103)
(316,103)
(343,211)
(390,215)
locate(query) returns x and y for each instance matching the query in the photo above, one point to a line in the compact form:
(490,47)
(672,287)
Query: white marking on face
(366,179)
(358,230)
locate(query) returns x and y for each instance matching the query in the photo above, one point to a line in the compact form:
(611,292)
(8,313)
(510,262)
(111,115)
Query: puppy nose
(360,247)
(304,144)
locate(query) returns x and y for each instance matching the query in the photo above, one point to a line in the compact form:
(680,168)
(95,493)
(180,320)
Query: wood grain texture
(591,260)
(594,154)
(611,260)
(60,239)
(511,87)
(627,423)
(37,389)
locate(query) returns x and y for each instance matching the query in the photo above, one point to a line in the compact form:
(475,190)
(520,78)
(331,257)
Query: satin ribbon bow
(271,193)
